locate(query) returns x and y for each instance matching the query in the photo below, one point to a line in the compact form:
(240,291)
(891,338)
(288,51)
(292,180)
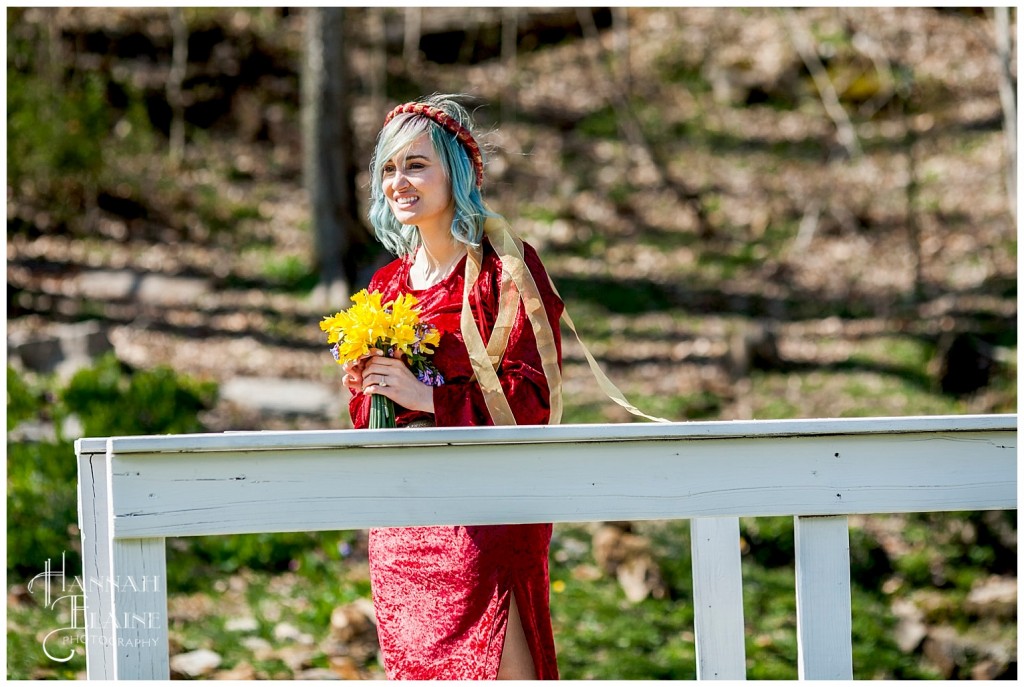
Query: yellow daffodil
(403,336)
(394,328)
(432,337)
(369,323)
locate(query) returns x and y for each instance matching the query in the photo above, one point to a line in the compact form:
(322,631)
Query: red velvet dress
(442,594)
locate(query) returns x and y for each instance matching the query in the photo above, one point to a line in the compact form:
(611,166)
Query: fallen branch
(808,227)
(829,98)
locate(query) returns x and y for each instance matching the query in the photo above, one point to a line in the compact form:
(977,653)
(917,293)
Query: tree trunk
(328,164)
(509,49)
(376,30)
(175,81)
(1008,97)
(413,34)
(620,26)
(912,193)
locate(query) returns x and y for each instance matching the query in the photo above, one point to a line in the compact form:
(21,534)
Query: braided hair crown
(451,123)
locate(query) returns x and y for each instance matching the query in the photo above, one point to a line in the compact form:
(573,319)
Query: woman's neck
(435,260)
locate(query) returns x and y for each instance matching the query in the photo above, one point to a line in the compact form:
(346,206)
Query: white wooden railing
(136,491)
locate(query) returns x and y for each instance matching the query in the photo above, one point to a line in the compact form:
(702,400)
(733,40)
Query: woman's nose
(399,180)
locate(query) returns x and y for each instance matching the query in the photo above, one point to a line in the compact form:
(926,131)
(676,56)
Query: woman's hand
(378,374)
(353,378)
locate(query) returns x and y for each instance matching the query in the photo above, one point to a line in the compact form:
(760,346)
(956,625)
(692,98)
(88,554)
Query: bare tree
(175,83)
(620,26)
(913,191)
(329,157)
(376,30)
(413,34)
(509,49)
(1008,97)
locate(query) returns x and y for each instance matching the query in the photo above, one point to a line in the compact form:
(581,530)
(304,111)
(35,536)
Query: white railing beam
(161,494)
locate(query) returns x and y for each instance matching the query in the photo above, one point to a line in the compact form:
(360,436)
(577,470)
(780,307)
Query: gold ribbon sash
(517,283)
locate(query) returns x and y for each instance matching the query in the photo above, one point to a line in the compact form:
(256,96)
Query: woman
(459,602)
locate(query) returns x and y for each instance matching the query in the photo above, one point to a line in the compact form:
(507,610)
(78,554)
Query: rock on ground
(277,396)
(195,663)
(63,348)
(994,597)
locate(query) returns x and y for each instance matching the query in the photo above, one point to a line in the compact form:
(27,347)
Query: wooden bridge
(136,491)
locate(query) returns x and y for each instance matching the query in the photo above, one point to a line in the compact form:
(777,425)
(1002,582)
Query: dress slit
(529,635)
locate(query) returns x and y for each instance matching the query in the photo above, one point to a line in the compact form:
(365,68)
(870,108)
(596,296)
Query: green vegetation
(851,393)
(218,214)
(600,124)
(62,127)
(55,139)
(617,295)
(111,402)
(540,213)
(285,273)
(703,405)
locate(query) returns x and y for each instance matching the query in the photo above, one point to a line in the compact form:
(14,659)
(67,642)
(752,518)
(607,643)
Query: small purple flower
(334,352)
(429,376)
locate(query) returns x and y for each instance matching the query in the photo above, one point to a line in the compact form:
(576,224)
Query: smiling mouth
(406,201)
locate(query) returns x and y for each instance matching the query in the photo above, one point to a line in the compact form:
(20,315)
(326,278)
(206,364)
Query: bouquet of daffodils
(394,328)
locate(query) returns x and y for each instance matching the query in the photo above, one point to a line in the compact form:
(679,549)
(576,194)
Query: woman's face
(417,189)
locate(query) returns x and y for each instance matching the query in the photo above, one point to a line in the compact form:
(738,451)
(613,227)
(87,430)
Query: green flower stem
(382,412)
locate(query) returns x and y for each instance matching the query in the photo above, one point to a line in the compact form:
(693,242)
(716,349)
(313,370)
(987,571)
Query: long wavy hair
(400,132)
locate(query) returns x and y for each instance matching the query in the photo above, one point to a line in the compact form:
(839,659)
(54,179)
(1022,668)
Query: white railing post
(94,526)
(718,599)
(823,610)
(139,579)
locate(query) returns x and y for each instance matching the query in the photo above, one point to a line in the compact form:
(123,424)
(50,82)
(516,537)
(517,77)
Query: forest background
(751,213)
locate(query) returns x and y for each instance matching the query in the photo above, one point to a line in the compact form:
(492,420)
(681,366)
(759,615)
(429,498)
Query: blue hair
(400,132)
